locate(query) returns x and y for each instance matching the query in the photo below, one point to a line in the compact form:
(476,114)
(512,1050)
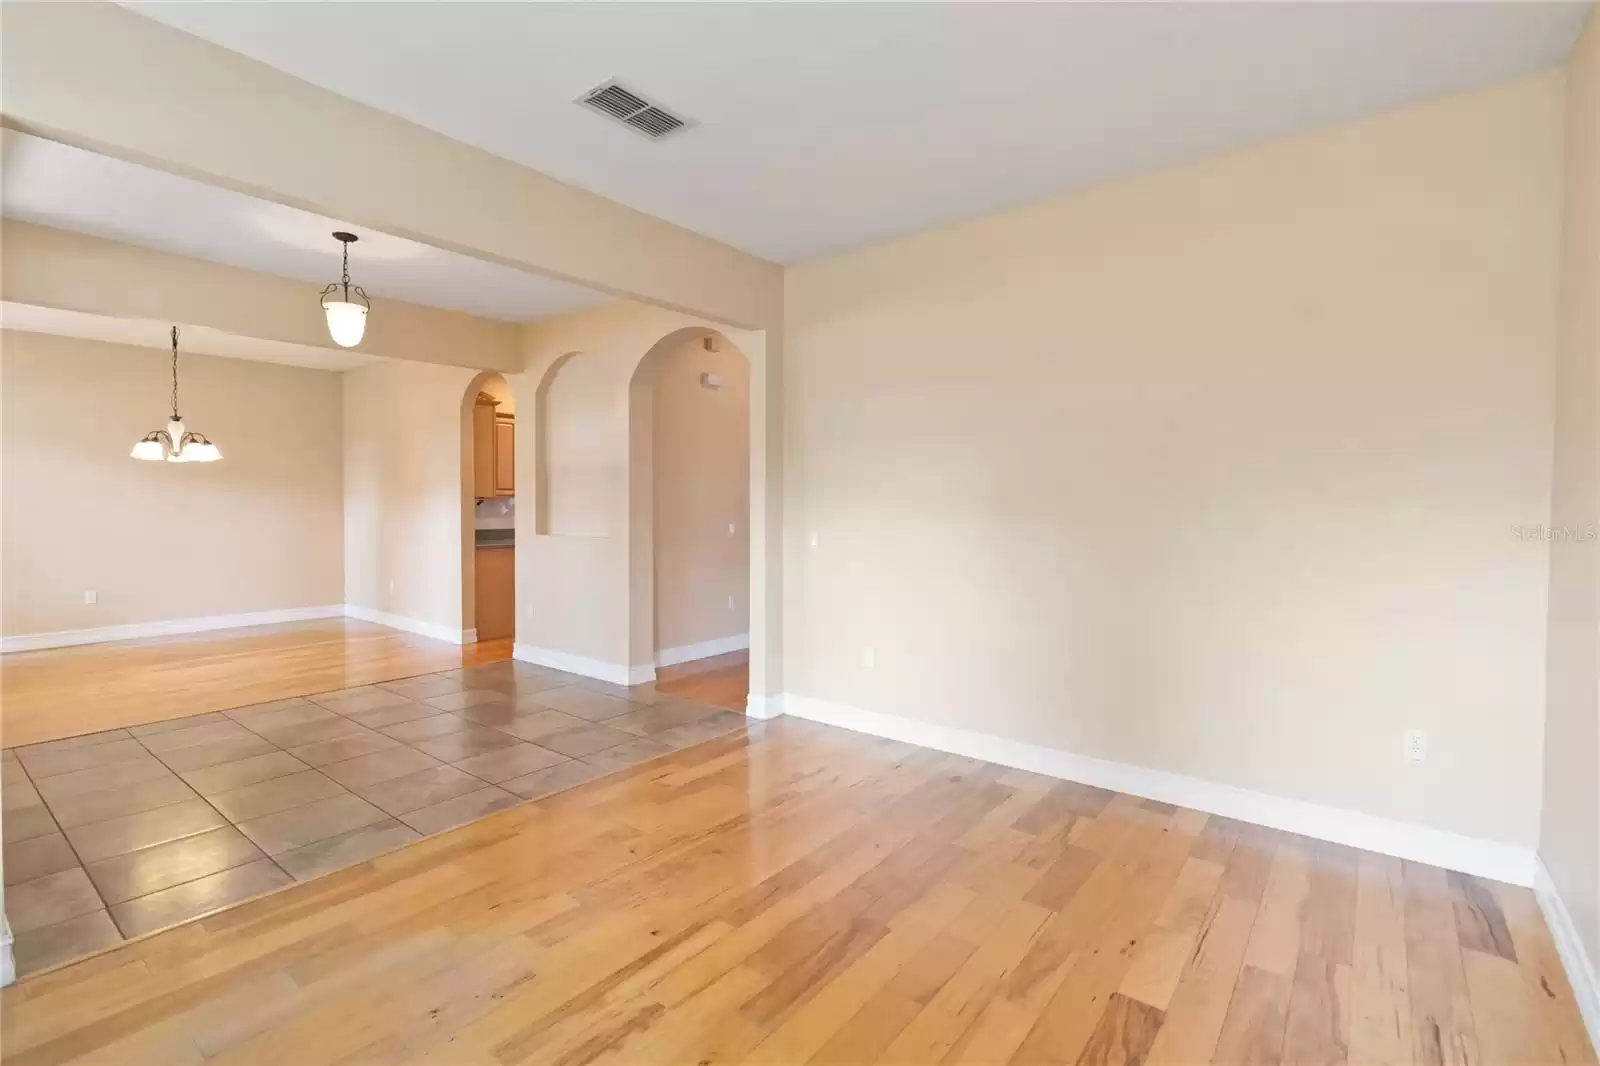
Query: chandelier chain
(175,417)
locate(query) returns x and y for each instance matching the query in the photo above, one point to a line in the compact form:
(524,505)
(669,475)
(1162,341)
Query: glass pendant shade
(346,305)
(346,322)
(150,448)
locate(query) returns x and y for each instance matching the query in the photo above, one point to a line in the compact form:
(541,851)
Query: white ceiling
(201,340)
(69,188)
(828,125)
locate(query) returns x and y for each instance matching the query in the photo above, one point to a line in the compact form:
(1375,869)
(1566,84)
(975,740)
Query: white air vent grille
(633,111)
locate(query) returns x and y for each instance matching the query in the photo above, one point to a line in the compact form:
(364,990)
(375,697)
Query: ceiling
(828,125)
(201,340)
(69,188)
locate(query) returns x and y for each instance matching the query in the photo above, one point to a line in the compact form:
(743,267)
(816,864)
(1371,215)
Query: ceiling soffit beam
(74,272)
(101,77)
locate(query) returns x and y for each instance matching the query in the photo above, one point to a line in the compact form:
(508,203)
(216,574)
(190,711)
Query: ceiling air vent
(633,111)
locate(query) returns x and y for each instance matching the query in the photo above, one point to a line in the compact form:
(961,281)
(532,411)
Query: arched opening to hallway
(689,504)
(489,499)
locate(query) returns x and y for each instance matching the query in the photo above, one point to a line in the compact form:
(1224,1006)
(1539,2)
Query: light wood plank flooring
(65,692)
(721,681)
(799,894)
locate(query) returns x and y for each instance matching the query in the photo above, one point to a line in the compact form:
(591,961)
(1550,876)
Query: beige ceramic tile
(415,791)
(458,701)
(118,836)
(86,740)
(42,948)
(37,857)
(101,778)
(513,760)
(299,826)
(270,797)
(279,715)
(210,732)
(353,700)
(380,766)
(171,724)
(293,736)
(420,688)
(436,725)
(225,777)
(194,898)
(20,793)
(393,714)
(350,747)
(26,823)
(347,849)
(453,747)
(585,740)
(556,779)
(50,899)
(460,811)
(140,873)
(87,807)
(583,703)
(215,752)
(540,722)
(46,764)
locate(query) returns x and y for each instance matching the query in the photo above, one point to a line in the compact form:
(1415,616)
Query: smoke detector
(633,110)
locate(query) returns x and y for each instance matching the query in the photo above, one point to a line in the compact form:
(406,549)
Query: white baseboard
(8,963)
(615,673)
(412,625)
(1581,971)
(1436,847)
(167,628)
(762,706)
(688,653)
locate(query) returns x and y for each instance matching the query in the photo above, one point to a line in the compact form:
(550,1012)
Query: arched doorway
(689,506)
(489,498)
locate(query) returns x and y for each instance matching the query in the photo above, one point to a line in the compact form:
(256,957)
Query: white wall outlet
(816,538)
(732,529)
(91,596)
(730,603)
(869,657)
(1416,745)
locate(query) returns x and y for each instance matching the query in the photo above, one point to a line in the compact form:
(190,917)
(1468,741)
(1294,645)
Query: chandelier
(176,444)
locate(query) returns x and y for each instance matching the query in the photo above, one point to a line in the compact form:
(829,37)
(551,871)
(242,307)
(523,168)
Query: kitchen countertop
(495,538)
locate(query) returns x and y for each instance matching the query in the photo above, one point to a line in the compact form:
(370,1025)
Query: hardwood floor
(799,894)
(722,681)
(65,692)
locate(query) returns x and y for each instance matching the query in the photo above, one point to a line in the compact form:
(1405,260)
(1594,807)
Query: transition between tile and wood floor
(795,893)
(122,832)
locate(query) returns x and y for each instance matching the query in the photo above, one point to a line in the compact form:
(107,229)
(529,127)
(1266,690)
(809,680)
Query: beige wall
(1569,841)
(1212,471)
(54,268)
(701,470)
(586,588)
(102,77)
(405,516)
(259,531)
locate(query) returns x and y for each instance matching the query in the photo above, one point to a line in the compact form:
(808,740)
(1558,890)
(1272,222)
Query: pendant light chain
(346,245)
(175,416)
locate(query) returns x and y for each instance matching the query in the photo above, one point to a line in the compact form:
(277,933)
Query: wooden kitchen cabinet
(493,450)
(505,456)
(495,592)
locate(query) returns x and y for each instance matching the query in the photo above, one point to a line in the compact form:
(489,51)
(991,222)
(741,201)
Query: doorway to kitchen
(490,414)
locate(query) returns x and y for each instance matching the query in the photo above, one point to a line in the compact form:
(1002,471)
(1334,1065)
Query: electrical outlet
(1416,746)
(869,657)
(91,596)
(816,538)
(730,603)
(732,529)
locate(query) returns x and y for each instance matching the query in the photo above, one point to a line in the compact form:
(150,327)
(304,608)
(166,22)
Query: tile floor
(116,834)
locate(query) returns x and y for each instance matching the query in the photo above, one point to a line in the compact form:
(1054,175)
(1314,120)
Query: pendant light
(347,320)
(176,444)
